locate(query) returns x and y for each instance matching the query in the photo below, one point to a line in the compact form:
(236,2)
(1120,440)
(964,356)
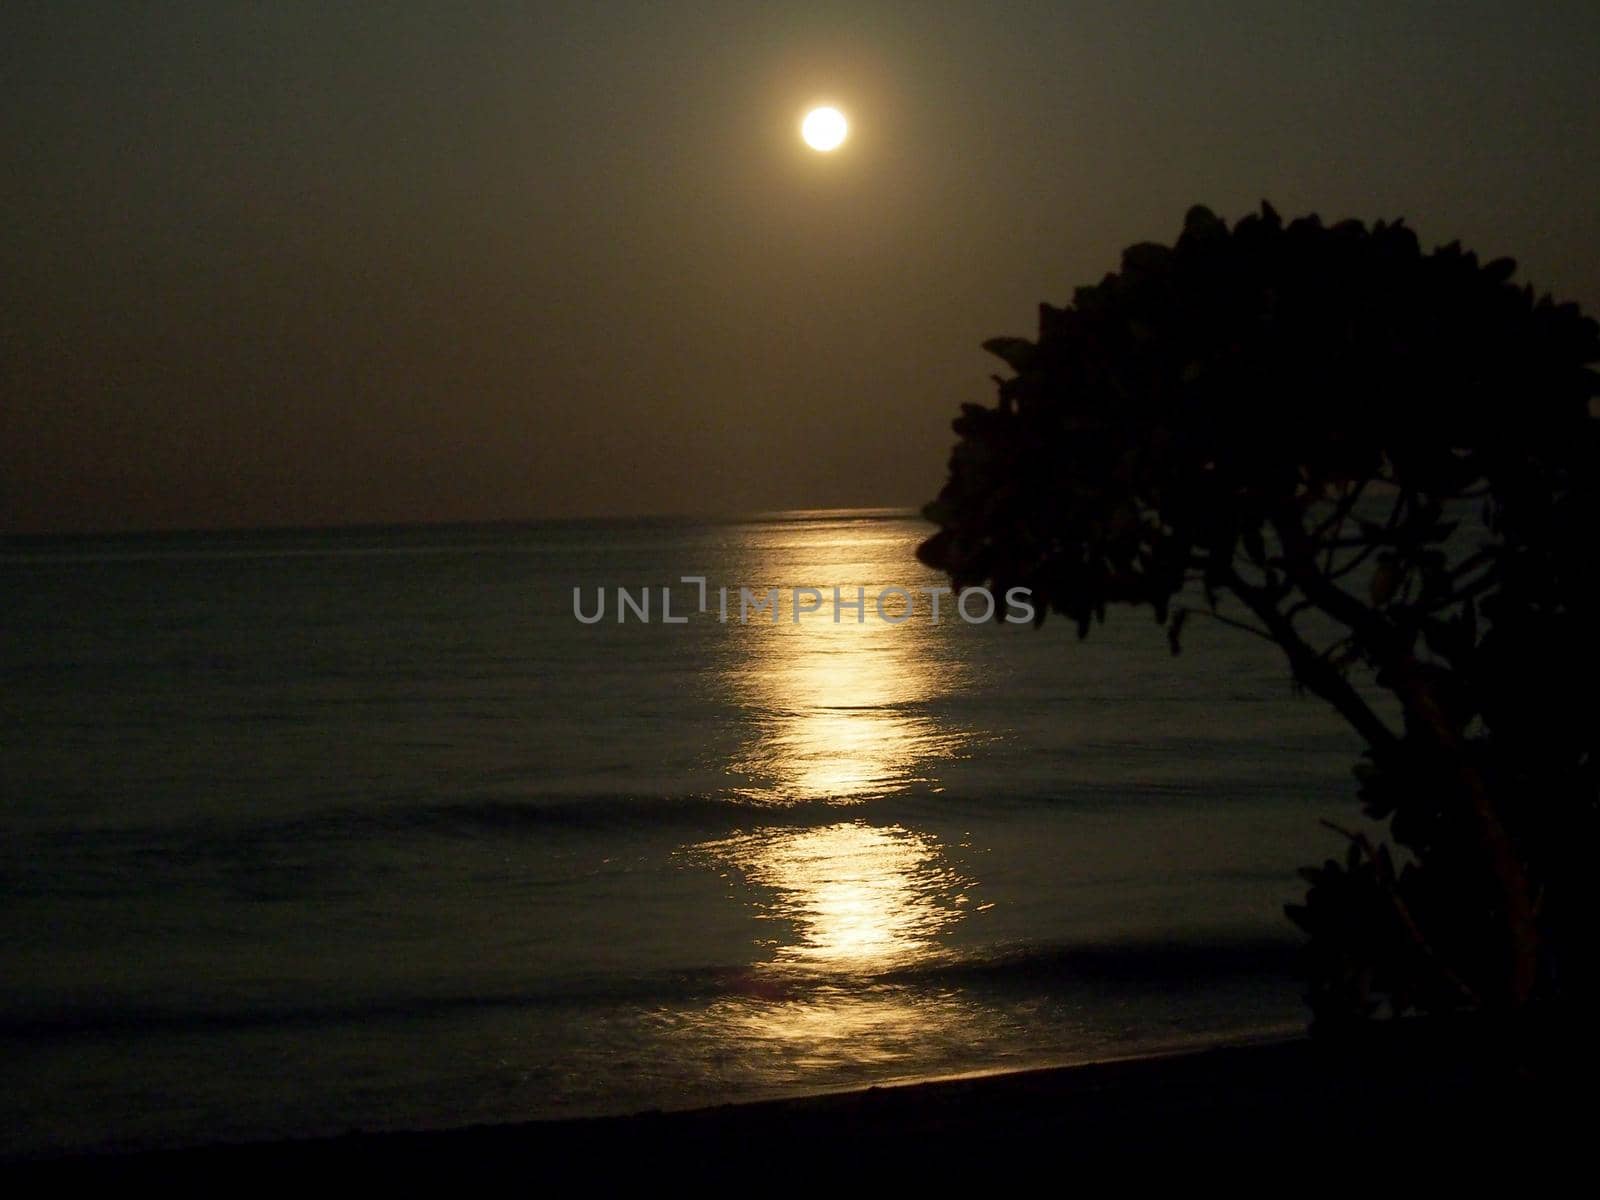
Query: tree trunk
(1501,860)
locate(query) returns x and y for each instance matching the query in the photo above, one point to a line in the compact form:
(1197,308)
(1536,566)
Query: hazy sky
(269,264)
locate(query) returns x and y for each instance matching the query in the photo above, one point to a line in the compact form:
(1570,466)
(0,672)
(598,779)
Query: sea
(312,831)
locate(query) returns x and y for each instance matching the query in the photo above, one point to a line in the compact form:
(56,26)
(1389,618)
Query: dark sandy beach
(1438,1105)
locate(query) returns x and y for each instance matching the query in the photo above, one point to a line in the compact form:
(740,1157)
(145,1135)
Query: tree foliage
(1386,462)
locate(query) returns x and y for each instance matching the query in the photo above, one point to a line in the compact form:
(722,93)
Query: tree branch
(1310,669)
(1229,621)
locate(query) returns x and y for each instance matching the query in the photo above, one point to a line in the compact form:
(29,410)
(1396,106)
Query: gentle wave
(1141,963)
(1132,965)
(580,812)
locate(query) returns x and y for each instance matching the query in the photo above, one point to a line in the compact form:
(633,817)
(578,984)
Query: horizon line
(866,511)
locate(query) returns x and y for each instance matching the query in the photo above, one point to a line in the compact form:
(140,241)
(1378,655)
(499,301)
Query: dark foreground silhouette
(1386,462)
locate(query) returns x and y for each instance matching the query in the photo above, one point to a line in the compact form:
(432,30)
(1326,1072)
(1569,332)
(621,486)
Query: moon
(824,129)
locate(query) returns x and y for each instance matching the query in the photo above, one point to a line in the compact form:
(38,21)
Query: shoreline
(1407,1090)
(1132,1049)
(1139,1050)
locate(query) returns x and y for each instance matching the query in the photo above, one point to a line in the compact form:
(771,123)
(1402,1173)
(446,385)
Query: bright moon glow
(824,128)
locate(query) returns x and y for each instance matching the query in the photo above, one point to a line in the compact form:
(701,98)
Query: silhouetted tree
(1385,462)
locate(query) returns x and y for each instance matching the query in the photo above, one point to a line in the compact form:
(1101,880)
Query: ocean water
(306,832)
